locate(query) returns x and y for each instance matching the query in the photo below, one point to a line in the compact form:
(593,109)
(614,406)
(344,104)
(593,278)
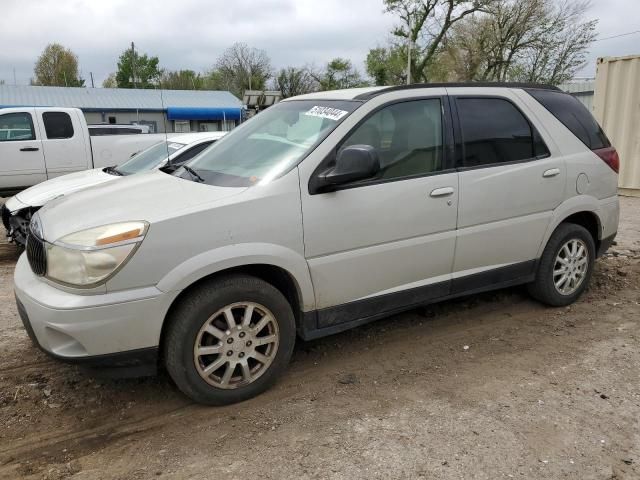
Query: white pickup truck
(37,144)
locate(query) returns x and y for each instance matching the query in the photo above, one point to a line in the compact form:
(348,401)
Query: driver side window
(407,137)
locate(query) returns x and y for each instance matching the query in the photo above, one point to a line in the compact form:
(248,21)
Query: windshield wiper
(113,171)
(193,173)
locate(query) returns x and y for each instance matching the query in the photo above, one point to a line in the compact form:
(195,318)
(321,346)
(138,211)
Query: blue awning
(203,113)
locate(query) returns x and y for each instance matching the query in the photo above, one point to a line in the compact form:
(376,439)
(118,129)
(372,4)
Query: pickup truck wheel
(566,266)
(229,340)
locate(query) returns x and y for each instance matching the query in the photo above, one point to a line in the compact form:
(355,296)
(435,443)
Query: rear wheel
(566,266)
(229,340)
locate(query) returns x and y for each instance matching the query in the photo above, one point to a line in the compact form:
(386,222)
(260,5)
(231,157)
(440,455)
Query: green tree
(387,65)
(57,66)
(292,81)
(137,71)
(339,73)
(181,80)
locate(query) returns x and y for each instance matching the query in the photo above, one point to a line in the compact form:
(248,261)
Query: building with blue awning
(161,110)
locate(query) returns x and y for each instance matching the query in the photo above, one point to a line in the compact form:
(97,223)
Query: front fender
(238,255)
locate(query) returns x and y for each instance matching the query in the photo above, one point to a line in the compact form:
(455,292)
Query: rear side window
(16,126)
(57,125)
(101,131)
(494,131)
(573,115)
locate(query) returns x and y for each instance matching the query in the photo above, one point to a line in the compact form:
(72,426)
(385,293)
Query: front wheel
(229,339)
(565,267)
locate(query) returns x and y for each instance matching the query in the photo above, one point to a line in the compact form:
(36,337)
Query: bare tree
(425,23)
(57,66)
(292,81)
(110,81)
(528,40)
(240,68)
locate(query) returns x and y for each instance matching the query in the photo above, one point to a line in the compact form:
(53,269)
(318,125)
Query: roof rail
(524,85)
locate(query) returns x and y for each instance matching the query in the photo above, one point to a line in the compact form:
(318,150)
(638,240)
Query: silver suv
(322,213)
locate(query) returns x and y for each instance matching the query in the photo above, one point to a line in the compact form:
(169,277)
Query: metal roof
(112,99)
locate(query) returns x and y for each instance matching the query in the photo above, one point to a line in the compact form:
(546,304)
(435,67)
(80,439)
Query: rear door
(64,145)
(21,156)
(511,179)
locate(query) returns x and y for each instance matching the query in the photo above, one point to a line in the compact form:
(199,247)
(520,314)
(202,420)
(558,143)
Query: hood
(150,196)
(40,194)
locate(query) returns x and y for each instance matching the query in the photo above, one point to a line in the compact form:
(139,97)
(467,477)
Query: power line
(616,36)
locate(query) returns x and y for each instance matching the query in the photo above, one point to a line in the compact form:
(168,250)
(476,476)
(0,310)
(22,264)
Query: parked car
(37,144)
(17,211)
(101,129)
(324,212)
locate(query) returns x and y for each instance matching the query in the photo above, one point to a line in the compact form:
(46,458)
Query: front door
(21,156)
(385,243)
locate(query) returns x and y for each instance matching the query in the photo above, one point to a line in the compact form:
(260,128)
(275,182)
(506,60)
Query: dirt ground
(488,387)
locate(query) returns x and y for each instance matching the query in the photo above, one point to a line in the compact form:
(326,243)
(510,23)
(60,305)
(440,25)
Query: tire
(188,339)
(544,287)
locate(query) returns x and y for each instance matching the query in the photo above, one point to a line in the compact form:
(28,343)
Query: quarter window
(407,136)
(494,131)
(57,125)
(16,127)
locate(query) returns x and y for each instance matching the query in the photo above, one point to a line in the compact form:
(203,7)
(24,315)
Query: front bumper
(118,329)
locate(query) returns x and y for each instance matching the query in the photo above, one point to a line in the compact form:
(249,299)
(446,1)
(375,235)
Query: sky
(191,34)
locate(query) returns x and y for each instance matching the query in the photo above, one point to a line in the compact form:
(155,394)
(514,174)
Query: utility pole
(409,53)
(92,85)
(133,65)
(14,76)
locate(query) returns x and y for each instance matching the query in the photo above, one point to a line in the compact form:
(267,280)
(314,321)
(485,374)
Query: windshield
(270,143)
(149,158)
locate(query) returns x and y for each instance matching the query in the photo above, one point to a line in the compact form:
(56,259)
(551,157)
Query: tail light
(610,157)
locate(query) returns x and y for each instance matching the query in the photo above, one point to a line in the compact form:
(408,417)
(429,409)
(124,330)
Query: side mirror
(353,163)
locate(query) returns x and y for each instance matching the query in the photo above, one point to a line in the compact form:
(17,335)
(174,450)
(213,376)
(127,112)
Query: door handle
(442,192)
(29,149)
(552,172)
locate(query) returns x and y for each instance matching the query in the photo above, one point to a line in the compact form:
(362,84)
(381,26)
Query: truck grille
(36,254)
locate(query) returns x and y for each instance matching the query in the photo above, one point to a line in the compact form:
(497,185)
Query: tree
(387,65)
(292,81)
(424,24)
(110,81)
(240,68)
(339,73)
(181,80)
(528,40)
(57,66)
(137,71)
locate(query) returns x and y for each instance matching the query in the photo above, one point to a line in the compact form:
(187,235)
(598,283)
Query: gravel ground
(491,386)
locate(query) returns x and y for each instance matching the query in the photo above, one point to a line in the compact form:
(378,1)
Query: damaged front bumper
(15,218)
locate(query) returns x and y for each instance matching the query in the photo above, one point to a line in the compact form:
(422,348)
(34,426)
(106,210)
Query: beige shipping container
(617,109)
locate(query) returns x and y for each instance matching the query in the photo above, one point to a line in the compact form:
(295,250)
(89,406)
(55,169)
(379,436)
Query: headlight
(89,257)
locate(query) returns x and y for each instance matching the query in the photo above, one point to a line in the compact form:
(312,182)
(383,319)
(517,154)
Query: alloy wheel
(236,345)
(570,267)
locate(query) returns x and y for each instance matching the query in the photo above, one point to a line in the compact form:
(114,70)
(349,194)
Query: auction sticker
(326,112)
